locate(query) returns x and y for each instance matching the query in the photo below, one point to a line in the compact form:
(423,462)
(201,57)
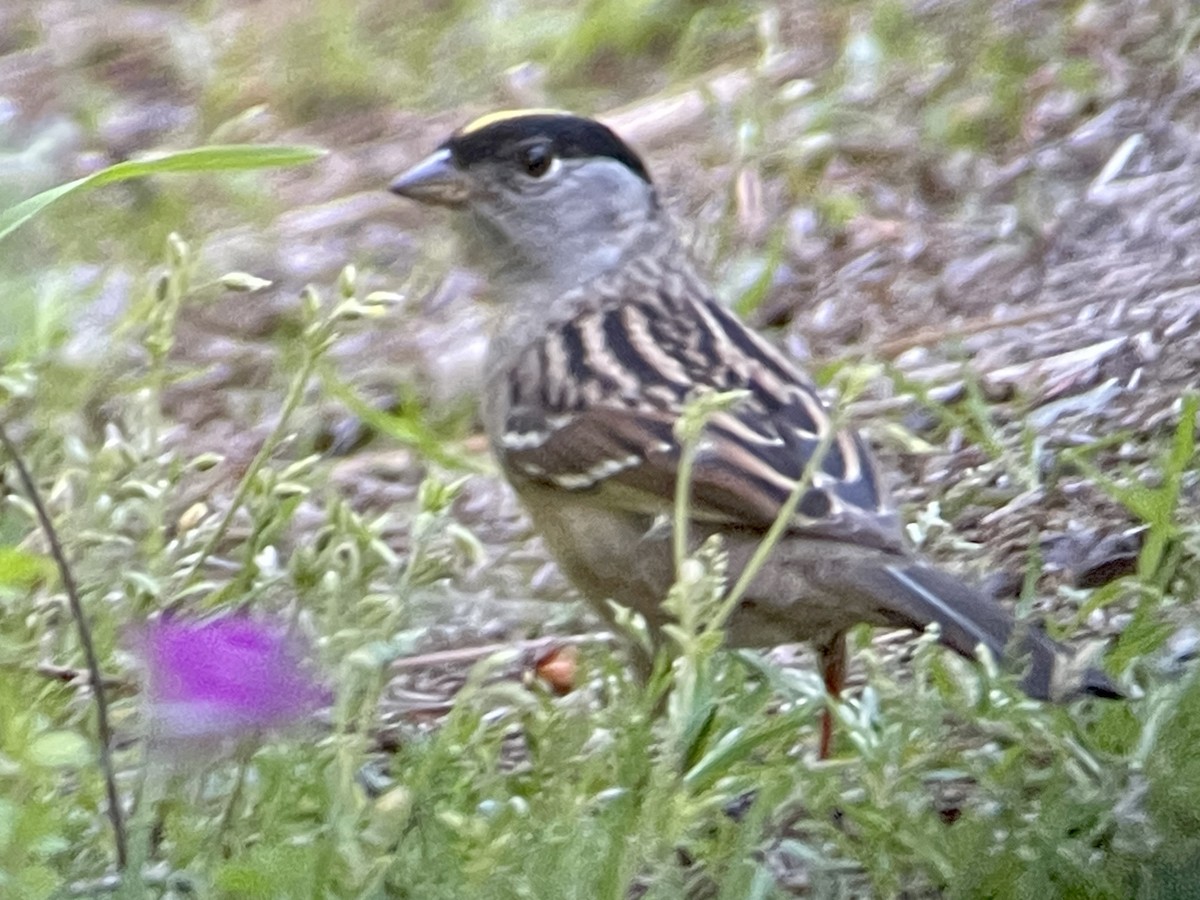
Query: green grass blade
(233,157)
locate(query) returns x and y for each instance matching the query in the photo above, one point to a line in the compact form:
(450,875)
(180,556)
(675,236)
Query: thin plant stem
(291,403)
(683,496)
(689,431)
(104,729)
(782,522)
(235,799)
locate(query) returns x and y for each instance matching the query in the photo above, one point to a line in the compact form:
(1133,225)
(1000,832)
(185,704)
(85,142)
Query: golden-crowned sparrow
(606,331)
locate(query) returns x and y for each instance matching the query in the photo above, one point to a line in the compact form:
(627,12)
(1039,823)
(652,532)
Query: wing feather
(594,403)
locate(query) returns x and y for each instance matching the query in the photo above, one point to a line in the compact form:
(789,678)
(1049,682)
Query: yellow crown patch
(504,115)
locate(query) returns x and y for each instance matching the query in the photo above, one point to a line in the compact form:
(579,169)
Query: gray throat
(528,298)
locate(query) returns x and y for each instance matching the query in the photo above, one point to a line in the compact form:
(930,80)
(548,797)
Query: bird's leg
(833,669)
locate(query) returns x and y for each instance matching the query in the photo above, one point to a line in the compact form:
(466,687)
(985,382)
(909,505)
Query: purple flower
(224,678)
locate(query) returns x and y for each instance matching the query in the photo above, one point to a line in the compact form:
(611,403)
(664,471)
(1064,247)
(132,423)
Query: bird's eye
(537,159)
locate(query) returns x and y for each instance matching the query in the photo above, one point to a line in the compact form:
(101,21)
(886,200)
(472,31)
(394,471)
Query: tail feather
(917,594)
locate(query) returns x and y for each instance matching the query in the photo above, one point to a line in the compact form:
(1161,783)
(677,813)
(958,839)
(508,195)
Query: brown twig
(978,325)
(464,655)
(115,815)
(70,673)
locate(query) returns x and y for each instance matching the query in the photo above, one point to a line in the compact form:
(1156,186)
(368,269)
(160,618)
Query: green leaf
(35,882)
(1143,636)
(55,749)
(1174,766)
(21,569)
(272,871)
(232,157)
(408,424)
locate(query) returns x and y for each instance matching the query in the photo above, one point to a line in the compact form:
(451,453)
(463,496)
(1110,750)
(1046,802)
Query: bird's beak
(435,180)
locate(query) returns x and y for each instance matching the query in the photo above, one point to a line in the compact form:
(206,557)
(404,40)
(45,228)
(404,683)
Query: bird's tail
(916,594)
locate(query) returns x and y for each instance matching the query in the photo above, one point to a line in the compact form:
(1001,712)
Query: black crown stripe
(498,137)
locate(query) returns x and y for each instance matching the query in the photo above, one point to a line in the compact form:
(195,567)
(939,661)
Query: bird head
(550,197)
